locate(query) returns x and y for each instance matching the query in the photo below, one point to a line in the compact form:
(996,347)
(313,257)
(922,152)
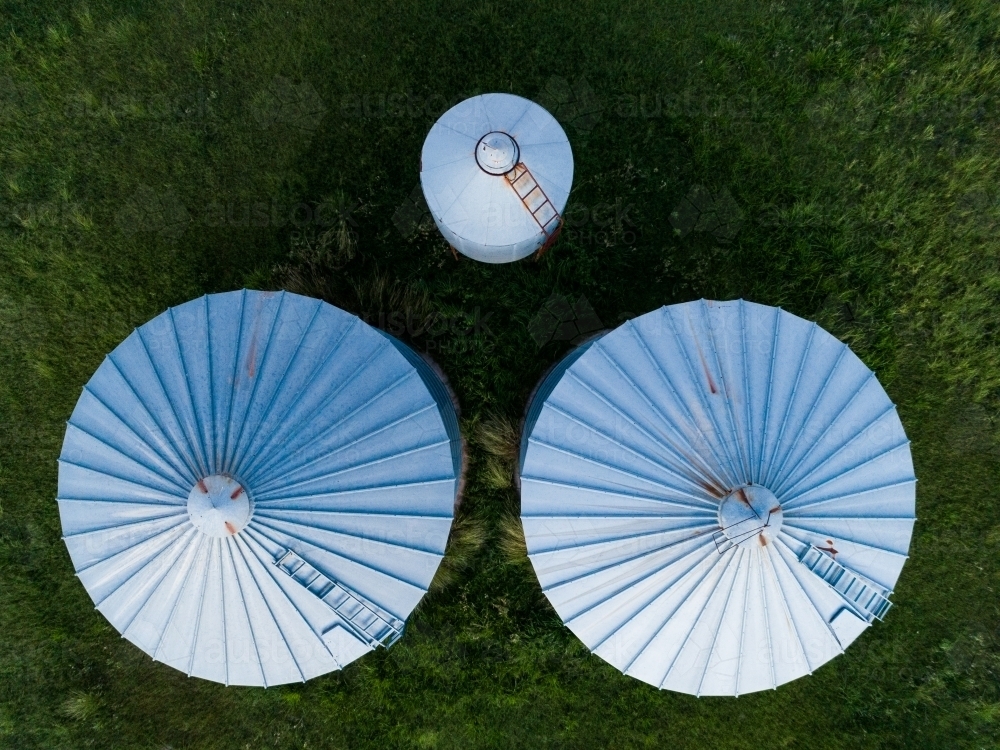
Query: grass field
(840,159)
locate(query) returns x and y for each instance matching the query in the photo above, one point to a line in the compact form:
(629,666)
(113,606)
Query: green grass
(150,152)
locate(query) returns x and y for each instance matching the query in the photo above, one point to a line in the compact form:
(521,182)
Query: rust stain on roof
(230,528)
(252,357)
(711,489)
(704,366)
(236,493)
(202,487)
(708,375)
(833,552)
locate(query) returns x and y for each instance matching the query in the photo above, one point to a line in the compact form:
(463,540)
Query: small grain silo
(496,171)
(717,497)
(257,488)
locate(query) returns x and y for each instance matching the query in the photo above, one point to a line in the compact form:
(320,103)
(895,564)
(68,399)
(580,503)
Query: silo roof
(257,488)
(496,172)
(717,497)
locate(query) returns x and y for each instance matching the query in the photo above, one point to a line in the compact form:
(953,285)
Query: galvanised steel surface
(257,488)
(717,497)
(496,171)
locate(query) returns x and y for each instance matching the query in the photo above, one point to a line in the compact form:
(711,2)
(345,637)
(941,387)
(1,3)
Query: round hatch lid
(497,153)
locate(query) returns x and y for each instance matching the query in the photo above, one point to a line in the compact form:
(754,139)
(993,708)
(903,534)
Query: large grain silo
(496,171)
(717,497)
(257,488)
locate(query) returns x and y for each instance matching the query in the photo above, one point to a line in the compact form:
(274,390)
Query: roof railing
(725,541)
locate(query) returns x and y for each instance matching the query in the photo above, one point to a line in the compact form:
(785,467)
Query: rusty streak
(252,357)
(704,365)
(711,490)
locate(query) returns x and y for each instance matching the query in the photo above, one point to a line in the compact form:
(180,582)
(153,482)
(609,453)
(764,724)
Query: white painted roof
(465,171)
(717,497)
(257,488)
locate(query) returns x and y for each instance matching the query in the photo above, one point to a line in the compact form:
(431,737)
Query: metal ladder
(865,598)
(536,201)
(370,622)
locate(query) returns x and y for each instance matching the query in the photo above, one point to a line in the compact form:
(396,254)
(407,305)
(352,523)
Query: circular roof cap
(496,153)
(219,506)
(750,515)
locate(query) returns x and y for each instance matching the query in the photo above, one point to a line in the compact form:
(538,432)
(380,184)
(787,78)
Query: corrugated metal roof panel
(707,488)
(243,430)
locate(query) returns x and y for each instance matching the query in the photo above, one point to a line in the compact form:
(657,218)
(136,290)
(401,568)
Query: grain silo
(717,497)
(257,488)
(496,171)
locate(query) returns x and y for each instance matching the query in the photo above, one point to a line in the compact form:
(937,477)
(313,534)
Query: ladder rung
(545,213)
(524,185)
(535,200)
